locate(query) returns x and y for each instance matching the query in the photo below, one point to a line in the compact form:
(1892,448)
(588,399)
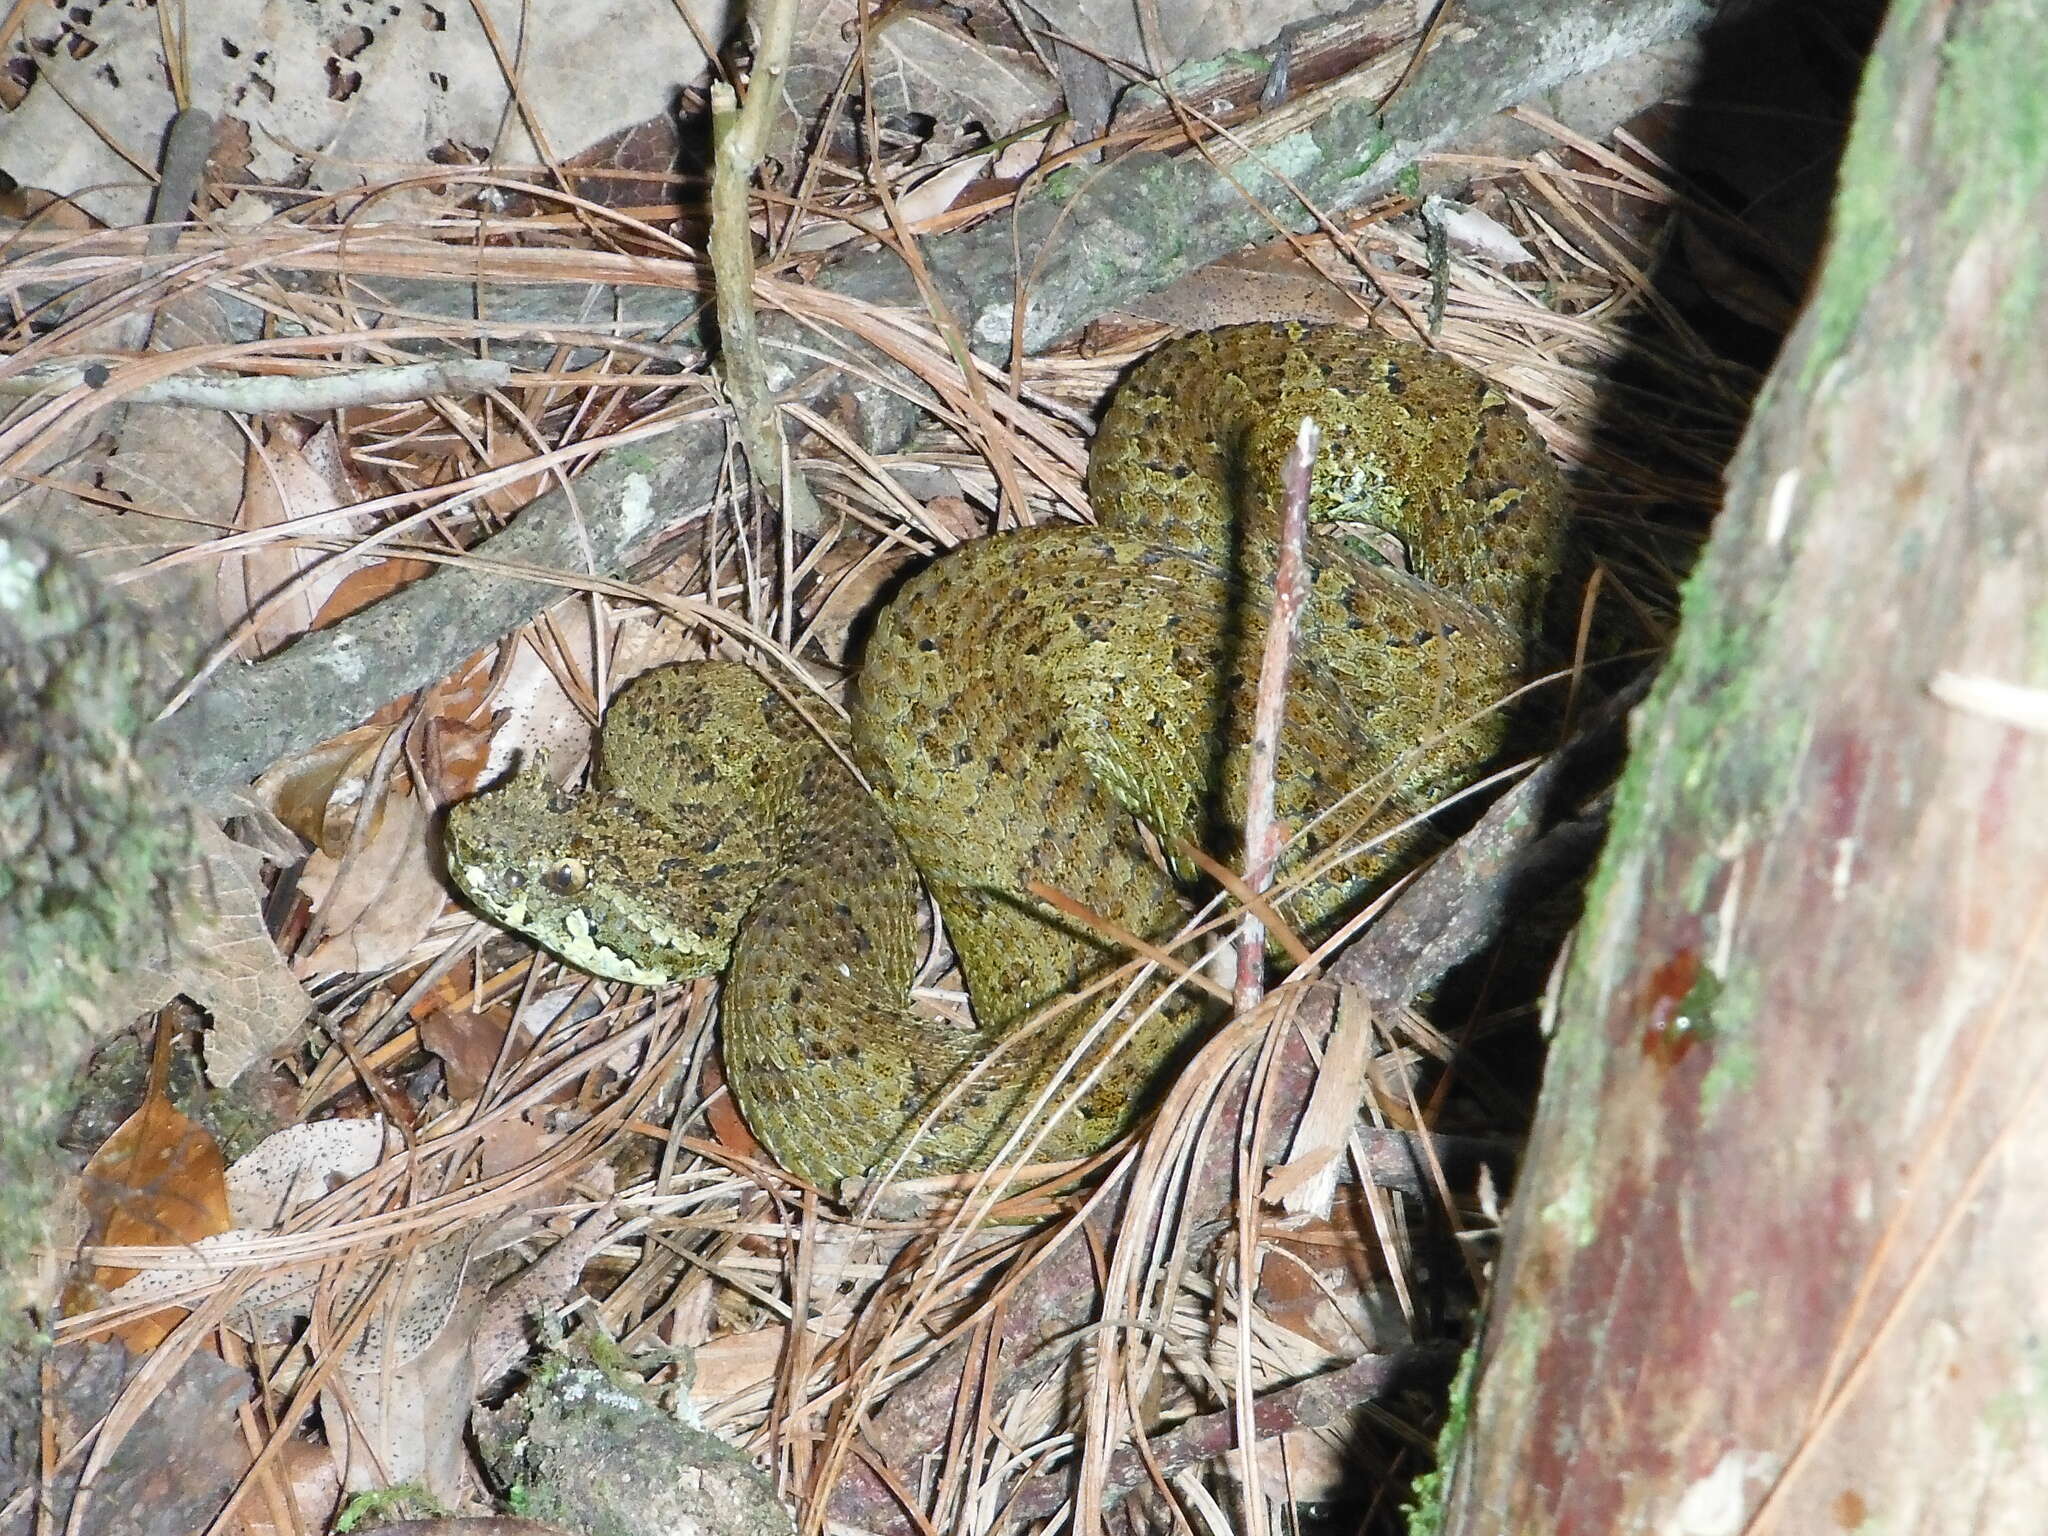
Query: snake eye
(567,877)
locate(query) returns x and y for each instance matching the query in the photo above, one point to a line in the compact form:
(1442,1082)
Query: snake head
(590,876)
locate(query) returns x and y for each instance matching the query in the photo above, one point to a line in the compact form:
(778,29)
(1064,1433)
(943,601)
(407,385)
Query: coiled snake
(1025,704)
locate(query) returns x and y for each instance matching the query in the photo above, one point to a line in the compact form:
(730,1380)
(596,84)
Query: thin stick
(181,172)
(1290,593)
(739,139)
(186,145)
(262,395)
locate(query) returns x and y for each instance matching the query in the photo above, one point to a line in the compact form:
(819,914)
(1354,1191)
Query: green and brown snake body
(1028,708)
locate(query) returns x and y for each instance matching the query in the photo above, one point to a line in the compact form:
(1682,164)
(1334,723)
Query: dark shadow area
(1754,152)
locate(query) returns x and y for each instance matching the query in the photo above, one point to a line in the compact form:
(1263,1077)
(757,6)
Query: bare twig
(268,395)
(1262,842)
(186,146)
(1290,591)
(187,143)
(739,136)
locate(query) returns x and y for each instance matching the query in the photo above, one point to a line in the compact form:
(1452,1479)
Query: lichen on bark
(88,855)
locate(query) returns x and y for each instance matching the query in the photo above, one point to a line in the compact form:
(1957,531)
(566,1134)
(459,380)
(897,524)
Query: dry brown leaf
(179,470)
(853,581)
(462,694)
(396,1416)
(1475,232)
(303,1474)
(175,1464)
(1323,1280)
(640,642)
(372,882)
(468,1044)
(450,992)
(1307,1182)
(1258,285)
(319,792)
(1315,1466)
(159,1179)
(48,210)
(722,1116)
(533,713)
(275,1180)
(927,61)
(368,584)
(501,450)
(288,476)
(956,517)
(735,1364)
(468,1041)
(924,201)
(399,1400)
(452,741)
(380,898)
(399,1415)
(453,756)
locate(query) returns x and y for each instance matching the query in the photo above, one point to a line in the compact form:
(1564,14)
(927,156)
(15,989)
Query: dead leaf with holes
(334,93)
(223,958)
(965,79)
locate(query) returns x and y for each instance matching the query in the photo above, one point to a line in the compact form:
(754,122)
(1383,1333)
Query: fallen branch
(739,138)
(264,395)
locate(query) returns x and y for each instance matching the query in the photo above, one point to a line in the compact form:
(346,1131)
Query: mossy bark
(1774,1264)
(88,856)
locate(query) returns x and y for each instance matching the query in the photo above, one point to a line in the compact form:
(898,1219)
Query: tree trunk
(89,861)
(1776,1262)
